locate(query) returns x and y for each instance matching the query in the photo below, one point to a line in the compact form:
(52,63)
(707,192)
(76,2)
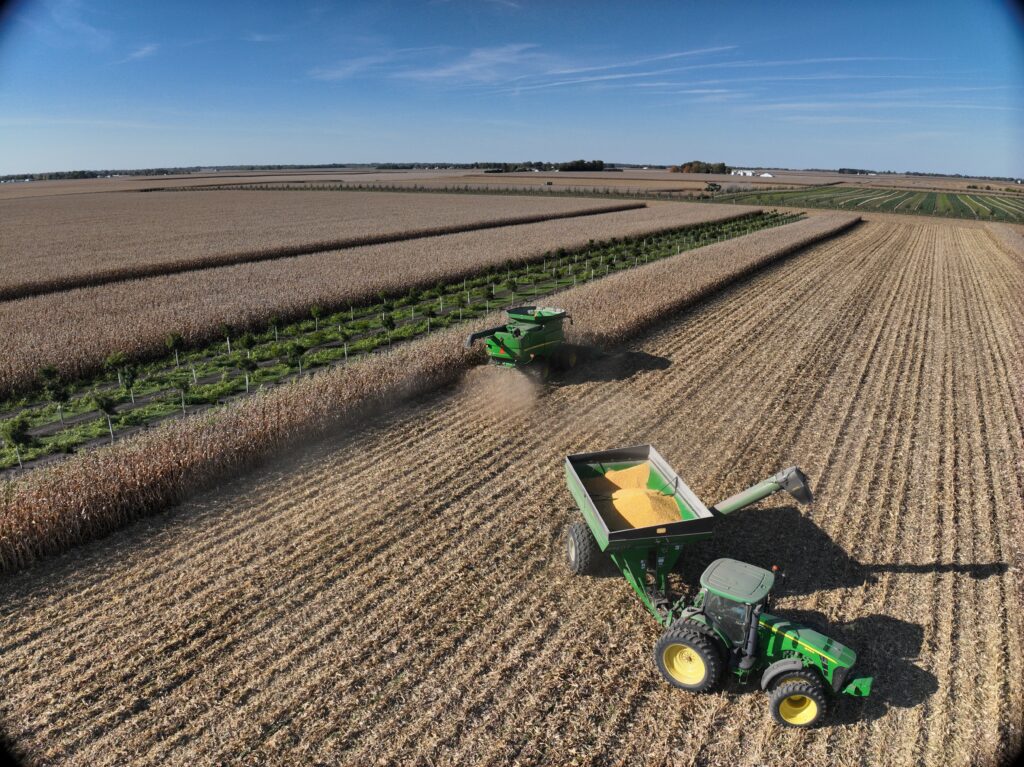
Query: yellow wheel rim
(798,709)
(684,664)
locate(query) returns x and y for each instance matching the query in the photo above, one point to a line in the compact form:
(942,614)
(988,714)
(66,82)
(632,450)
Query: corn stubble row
(68,242)
(75,331)
(93,493)
(298,628)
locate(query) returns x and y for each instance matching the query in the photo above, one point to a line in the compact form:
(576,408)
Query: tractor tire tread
(699,642)
(805,675)
(813,691)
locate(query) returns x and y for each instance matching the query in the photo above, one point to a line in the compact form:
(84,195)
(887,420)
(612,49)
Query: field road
(397,594)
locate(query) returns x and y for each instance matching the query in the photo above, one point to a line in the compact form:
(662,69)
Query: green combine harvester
(533,339)
(640,513)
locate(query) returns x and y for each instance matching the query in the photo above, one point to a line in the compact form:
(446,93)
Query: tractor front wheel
(581,549)
(688,660)
(798,704)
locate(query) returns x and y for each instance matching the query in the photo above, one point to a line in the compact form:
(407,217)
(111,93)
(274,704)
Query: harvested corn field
(53,508)
(75,330)
(323,611)
(63,242)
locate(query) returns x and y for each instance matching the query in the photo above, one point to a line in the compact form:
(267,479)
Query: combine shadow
(600,366)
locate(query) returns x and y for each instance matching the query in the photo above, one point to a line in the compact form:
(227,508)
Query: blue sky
(930,86)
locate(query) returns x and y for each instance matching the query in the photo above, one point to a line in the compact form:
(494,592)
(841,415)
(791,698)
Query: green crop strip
(141,394)
(950,204)
(829,196)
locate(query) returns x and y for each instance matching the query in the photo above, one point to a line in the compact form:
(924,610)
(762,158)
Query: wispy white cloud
(376,62)
(513,4)
(841,120)
(68,17)
(142,52)
(853,104)
(346,69)
(638,62)
(482,65)
(261,37)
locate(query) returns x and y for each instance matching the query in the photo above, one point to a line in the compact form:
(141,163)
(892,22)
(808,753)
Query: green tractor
(639,513)
(533,338)
(729,626)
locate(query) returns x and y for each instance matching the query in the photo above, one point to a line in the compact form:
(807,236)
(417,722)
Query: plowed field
(397,594)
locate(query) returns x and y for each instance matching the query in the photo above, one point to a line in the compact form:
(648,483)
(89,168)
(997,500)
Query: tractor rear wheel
(805,675)
(581,549)
(688,660)
(798,704)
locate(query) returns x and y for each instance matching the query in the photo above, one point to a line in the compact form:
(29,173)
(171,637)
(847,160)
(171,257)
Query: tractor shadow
(597,366)
(809,558)
(811,562)
(886,650)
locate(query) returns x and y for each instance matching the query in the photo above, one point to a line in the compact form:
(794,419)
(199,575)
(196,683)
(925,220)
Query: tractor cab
(731,592)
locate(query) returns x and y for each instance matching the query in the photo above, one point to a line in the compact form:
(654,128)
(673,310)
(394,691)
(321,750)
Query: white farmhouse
(742,173)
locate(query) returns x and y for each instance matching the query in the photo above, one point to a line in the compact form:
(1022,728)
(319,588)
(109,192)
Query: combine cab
(533,337)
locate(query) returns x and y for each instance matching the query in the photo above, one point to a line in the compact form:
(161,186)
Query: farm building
(767,175)
(742,173)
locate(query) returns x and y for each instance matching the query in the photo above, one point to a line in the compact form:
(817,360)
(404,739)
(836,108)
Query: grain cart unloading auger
(532,338)
(640,513)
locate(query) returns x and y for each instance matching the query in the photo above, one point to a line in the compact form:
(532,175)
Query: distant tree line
(862,172)
(573,165)
(697,166)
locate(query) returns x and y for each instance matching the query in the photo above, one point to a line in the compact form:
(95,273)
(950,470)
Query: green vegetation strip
(1008,209)
(61,416)
(583,190)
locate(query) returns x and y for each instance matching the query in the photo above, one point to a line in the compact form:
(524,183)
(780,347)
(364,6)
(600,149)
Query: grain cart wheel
(688,660)
(798,704)
(581,549)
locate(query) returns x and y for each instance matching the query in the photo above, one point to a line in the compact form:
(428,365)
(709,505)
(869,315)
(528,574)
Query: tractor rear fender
(783,666)
(698,622)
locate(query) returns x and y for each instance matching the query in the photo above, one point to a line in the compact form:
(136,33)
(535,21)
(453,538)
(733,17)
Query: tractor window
(726,616)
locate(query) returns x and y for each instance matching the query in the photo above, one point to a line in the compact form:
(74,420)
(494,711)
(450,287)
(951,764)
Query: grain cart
(639,513)
(532,337)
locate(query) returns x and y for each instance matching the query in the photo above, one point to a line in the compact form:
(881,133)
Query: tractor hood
(790,637)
